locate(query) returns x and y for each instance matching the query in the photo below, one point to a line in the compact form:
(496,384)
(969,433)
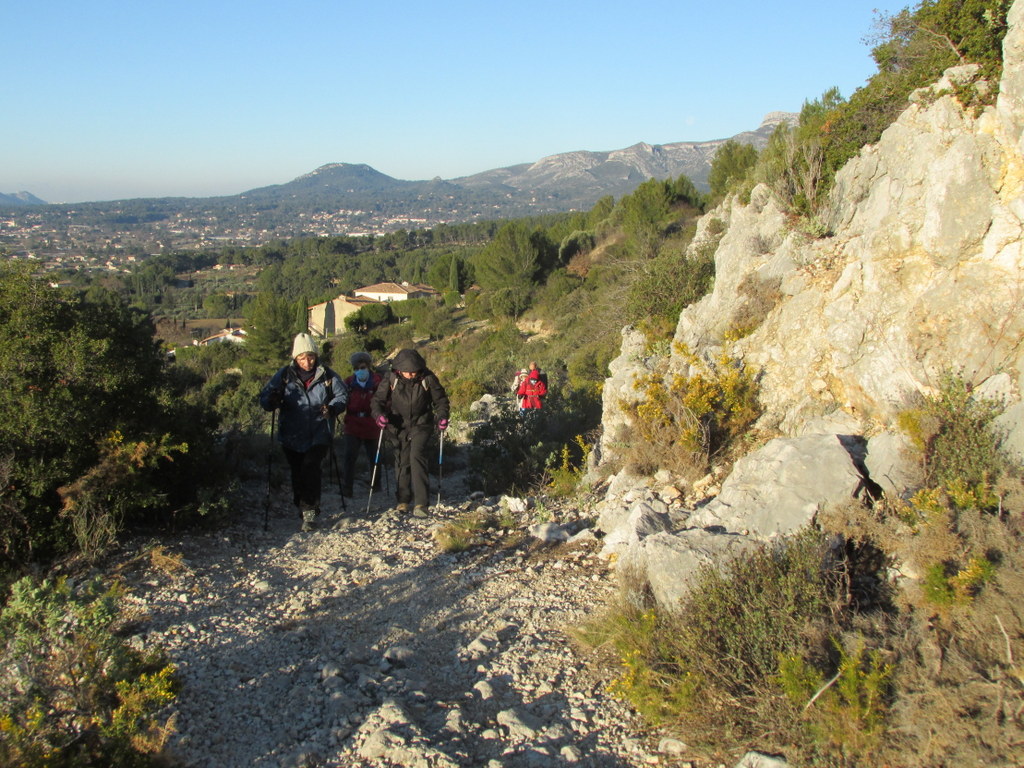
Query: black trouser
(306,475)
(411,465)
(352,446)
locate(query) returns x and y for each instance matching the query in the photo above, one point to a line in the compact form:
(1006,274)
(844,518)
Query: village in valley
(113,237)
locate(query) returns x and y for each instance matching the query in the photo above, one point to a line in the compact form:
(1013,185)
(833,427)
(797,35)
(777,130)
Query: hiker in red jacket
(531,392)
(361,431)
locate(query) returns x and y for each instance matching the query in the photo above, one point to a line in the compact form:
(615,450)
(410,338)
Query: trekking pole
(373,477)
(440,467)
(337,474)
(270,459)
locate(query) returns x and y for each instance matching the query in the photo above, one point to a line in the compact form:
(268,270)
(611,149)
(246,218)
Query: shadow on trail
(314,634)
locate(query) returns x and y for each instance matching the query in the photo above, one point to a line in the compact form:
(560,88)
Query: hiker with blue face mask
(361,431)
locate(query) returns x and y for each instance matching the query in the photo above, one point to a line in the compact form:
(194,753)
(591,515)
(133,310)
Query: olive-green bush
(75,693)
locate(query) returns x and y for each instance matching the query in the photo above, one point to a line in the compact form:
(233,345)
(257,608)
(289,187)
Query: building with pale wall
(328,318)
(385,292)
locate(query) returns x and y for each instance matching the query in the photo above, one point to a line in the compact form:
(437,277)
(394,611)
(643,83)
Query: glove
(325,411)
(442,424)
(382,421)
(275,399)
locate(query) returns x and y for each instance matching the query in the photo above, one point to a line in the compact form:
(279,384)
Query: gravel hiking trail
(363,643)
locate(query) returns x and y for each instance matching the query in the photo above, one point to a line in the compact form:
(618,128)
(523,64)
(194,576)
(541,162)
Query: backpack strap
(423,383)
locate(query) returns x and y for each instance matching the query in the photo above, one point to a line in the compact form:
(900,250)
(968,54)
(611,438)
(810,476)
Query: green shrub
(951,619)
(665,286)
(432,319)
(953,429)
(844,718)
(565,468)
(76,694)
(371,316)
(77,371)
(511,452)
(578,242)
(945,584)
(711,666)
(96,503)
(730,166)
(508,452)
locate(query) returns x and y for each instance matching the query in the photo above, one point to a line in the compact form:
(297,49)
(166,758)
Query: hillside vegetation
(103,437)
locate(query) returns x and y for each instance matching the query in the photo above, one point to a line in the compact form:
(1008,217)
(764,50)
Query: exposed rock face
(619,391)
(779,488)
(923,273)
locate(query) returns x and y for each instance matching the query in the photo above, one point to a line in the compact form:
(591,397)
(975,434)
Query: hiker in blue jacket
(310,396)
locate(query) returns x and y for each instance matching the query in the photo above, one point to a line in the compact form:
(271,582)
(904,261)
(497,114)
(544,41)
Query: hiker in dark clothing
(408,403)
(361,431)
(309,395)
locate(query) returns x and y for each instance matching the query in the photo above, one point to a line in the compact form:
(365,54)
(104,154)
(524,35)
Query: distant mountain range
(580,179)
(344,198)
(20,198)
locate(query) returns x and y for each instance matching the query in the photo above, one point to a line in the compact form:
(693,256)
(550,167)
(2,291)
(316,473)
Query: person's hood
(360,358)
(408,360)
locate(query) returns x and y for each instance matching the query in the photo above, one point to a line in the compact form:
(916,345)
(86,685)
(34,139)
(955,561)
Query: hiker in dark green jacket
(407,405)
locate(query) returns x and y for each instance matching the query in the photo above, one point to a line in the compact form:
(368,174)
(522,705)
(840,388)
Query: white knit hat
(304,343)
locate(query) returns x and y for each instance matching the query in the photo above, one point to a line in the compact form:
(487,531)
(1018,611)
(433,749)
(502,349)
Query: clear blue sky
(104,100)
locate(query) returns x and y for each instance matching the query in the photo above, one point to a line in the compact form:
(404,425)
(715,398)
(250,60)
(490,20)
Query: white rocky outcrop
(922,273)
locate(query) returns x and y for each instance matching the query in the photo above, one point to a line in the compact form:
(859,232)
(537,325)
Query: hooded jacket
(531,393)
(302,424)
(416,402)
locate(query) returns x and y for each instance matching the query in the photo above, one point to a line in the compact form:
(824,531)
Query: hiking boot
(419,511)
(401,507)
(308,516)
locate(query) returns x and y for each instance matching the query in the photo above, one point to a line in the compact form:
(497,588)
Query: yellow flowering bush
(681,423)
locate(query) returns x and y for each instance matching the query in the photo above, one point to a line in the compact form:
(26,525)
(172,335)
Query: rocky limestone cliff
(923,272)
(590,175)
